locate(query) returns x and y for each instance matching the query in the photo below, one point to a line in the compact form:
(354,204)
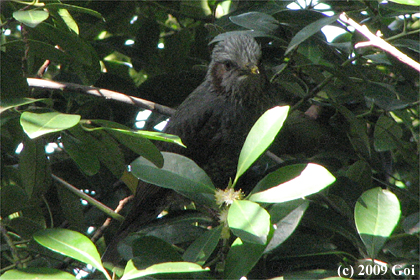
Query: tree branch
(379,42)
(100,92)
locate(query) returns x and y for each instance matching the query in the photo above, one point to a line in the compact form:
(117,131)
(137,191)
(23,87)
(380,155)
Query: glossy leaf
(31,273)
(68,19)
(376,214)
(134,140)
(249,221)
(178,173)
(72,244)
(407,2)
(131,272)
(260,137)
(201,249)
(16,102)
(31,18)
(308,31)
(286,226)
(36,125)
(241,258)
(312,179)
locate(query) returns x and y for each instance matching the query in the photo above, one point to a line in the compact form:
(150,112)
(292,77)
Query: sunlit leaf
(312,179)
(131,272)
(31,273)
(68,19)
(35,124)
(178,173)
(72,244)
(16,102)
(376,214)
(260,137)
(249,221)
(31,18)
(407,2)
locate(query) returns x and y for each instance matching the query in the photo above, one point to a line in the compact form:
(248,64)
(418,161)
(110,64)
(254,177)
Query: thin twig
(89,199)
(98,234)
(105,93)
(378,42)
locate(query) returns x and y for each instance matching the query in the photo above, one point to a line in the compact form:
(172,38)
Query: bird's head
(235,69)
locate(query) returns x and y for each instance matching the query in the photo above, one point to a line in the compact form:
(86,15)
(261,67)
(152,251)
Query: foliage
(339,187)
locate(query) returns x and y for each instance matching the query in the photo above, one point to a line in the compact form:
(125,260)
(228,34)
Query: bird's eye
(229,65)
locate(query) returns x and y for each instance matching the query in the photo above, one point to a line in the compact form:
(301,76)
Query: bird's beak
(254,70)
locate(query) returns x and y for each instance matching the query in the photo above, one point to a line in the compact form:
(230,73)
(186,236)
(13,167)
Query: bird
(212,122)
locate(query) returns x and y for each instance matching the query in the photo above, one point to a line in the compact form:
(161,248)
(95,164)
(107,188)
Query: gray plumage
(212,122)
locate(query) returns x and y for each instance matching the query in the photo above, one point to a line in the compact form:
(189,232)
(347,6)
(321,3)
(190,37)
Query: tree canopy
(86,87)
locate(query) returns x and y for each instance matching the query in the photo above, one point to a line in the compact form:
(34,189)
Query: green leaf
(104,147)
(72,209)
(31,18)
(257,21)
(31,273)
(312,179)
(178,173)
(77,48)
(13,198)
(407,2)
(260,137)
(84,157)
(134,140)
(361,173)
(131,272)
(286,226)
(376,214)
(150,250)
(34,168)
(35,124)
(78,9)
(358,132)
(201,249)
(309,30)
(72,244)
(241,258)
(16,102)
(387,133)
(68,19)
(13,83)
(249,221)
